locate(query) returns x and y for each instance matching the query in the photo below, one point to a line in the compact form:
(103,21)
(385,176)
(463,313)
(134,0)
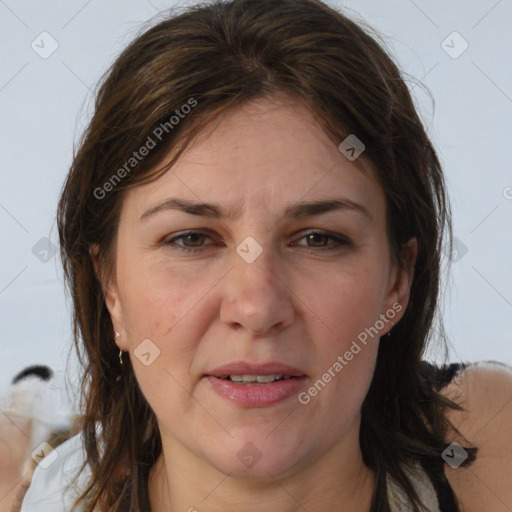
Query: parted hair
(214,56)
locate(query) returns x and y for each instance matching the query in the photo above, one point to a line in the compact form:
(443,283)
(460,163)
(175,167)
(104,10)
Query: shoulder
(52,488)
(484,390)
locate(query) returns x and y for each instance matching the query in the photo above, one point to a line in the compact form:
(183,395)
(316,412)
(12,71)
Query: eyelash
(339,241)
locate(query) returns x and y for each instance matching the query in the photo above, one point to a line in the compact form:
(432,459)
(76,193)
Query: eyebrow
(296,211)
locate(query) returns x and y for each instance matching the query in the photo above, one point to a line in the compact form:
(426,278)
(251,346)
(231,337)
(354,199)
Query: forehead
(266,152)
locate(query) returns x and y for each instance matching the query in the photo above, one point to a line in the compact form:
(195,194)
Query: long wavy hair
(211,57)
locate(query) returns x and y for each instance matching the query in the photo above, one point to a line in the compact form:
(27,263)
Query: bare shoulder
(484,390)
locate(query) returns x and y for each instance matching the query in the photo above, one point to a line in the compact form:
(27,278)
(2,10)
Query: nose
(256,297)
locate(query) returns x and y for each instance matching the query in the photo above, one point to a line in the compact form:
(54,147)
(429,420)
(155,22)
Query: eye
(192,241)
(318,237)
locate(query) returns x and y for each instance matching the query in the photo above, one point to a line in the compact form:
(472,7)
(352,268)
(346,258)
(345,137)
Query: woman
(251,230)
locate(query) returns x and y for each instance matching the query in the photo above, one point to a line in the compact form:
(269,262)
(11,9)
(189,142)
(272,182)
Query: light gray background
(46,102)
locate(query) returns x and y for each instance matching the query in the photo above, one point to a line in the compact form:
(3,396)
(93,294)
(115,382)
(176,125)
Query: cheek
(162,367)
(158,312)
(347,304)
(153,302)
(344,313)
(338,390)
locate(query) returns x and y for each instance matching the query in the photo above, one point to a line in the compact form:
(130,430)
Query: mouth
(256,385)
(253,391)
(246,371)
(256,379)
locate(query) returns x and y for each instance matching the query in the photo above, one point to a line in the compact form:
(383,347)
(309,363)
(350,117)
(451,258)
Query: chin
(256,460)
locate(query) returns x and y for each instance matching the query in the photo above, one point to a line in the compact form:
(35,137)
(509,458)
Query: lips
(246,368)
(256,394)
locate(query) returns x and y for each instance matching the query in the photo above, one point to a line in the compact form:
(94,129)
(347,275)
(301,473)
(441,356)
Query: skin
(293,305)
(485,392)
(14,452)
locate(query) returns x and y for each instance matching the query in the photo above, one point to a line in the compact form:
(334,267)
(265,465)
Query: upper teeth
(256,378)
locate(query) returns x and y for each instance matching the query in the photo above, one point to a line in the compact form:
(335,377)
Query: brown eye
(319,239)
(194,238)
(193,241)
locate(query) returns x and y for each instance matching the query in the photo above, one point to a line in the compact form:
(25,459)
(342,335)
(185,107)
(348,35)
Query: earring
(117,336)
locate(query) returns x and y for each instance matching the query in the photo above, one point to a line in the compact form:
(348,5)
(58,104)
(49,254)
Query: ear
(399,285)
(110,294)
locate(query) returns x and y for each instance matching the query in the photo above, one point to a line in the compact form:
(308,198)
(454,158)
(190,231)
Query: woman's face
(268,278)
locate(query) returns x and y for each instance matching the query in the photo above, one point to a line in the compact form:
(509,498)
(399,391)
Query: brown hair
(212,57)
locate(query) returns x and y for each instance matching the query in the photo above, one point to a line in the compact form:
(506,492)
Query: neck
(336,480)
